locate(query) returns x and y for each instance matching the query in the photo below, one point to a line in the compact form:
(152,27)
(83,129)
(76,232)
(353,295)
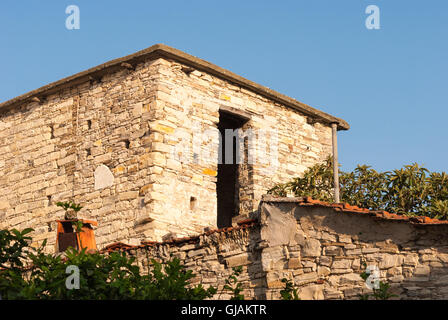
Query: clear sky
(388,84)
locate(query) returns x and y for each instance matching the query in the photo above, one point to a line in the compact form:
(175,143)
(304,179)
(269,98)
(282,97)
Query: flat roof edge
(161,50)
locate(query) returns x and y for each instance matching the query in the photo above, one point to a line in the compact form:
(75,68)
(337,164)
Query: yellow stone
(287,140)
(98,143)
(224,97)
(119,169)
(164,129)
(210,172)
(143,159)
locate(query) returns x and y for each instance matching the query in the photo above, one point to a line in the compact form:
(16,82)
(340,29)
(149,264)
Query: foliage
(411,190)
(69,205)
(233,285)
(382,293)
(12,248)
(289,292)
(317,182)
(113,276)
(71,209)
(78,224)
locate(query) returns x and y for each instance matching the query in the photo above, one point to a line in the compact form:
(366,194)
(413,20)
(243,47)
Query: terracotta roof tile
(345,207)
(119,246)
(306,201)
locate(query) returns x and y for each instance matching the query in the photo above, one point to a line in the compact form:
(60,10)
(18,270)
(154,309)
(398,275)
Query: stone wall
(211,256)
(53,150)
(189,105)
(321,248)
(111,141)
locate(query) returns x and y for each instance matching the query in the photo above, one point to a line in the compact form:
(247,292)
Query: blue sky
(389,84)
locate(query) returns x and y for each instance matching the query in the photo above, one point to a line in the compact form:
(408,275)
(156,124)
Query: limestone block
(344,238)
(323,271)
(193,253)
(4,205)
(160,147)
(325,261)
(157,158)
(333,251)
(342,264)
(411,259)
(312,292)
(238,260)
(350,278)
(311,248)
(389,260)
(422,270)
(137,109)
(306,278)
(271,255)
(129,195)
(294,263)
(103,158)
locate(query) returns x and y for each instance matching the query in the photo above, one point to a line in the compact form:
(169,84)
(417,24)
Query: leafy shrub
(289,292)
(233,285)
(411,190)
(113,276)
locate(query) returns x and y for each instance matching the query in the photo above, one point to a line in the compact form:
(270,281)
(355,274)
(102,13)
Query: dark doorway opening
(227,186)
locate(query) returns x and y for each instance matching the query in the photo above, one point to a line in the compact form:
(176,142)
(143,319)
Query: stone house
(141,142)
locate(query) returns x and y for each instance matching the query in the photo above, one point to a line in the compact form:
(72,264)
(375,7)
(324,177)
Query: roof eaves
(161,50)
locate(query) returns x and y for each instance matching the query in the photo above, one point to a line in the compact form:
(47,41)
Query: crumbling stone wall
(319,249)
(211,257)
(323,250)
(108,141)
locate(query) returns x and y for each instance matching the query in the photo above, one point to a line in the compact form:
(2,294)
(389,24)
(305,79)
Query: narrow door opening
(227,186)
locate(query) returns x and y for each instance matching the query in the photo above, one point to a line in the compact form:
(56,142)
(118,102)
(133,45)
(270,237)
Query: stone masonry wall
(112,144)
(211,257)
(50,151)
(187,114)
(321,248)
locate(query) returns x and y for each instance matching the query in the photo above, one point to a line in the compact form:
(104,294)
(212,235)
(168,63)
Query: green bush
(113,276)
(233,285)
(289,292)
(411,190)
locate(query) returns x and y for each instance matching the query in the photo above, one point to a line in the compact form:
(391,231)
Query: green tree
(412,190)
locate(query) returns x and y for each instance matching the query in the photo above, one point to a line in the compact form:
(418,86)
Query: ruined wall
(321,248)
(122,145)
(211,257)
